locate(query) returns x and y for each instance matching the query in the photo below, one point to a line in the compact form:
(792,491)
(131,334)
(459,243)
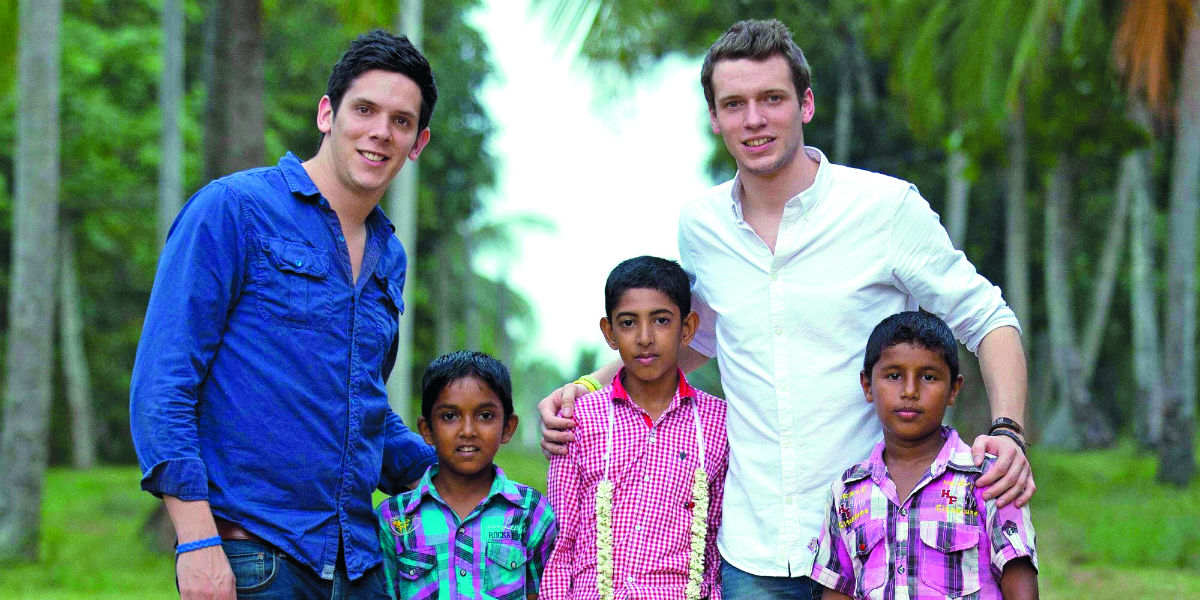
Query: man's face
(372,132)
(759,113)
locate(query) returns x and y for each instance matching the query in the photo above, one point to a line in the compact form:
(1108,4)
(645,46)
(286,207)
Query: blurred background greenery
(1058,139)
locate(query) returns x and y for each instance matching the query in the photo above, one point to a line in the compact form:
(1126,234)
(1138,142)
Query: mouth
(645,359)
(908,414)
(467,449)
(372,156)
(758,142)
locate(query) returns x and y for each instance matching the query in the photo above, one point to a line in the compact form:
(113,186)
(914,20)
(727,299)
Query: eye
(487,415)
(448,417)
(401,121)
(893,376)
(662,321)
(626,322)
(774,98)
(929,377)
(362,110)
(732,103)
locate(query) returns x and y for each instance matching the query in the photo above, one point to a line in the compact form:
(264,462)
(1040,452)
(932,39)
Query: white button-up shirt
(789,330)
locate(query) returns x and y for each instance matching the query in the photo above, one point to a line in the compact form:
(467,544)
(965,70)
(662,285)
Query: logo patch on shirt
(401,524)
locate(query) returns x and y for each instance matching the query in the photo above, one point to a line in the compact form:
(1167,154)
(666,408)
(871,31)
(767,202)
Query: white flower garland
(698,527)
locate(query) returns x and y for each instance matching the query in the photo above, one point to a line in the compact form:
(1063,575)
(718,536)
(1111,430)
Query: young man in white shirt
(792,263)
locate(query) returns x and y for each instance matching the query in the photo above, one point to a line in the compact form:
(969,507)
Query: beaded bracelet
(589,382)
(197,544)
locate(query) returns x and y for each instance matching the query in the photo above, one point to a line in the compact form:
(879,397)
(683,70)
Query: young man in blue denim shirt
(258,405)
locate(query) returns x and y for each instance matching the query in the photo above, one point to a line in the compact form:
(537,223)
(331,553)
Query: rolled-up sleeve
(926,265)
(405,456)
(199,278)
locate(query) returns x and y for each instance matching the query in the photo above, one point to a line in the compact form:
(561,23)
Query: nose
(754,115)
(381,128)
(643,335)
(468,427)
(912,389)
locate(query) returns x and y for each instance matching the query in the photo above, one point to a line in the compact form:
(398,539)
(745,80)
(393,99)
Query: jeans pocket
(254,565)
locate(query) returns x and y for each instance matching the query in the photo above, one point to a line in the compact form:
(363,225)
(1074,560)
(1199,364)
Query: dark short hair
(756,40)
(465,364)
(912,327)
(648,272)
(378,49)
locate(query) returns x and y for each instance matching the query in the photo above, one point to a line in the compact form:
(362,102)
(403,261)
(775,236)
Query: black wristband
(1005,422)
(1010,435)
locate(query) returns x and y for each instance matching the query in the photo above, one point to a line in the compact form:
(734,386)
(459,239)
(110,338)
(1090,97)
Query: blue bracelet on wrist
(198,544)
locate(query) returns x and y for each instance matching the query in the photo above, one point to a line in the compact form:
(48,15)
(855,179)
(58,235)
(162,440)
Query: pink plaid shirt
(651,469)
(944,541)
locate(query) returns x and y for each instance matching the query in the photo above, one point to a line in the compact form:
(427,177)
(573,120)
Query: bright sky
(609,166)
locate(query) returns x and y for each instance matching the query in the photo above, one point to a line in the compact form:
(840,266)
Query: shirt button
(646,478)
(788,500)
(412,571)
(774,275)
(778,331)
(900,569)
(341,238)
(629,579)
(783,386)
(904,512)
(299,263)
(463,572)
(637,527)
(787,443)
(512,565)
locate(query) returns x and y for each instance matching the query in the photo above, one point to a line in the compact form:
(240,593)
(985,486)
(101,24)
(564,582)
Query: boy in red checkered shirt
(638,495)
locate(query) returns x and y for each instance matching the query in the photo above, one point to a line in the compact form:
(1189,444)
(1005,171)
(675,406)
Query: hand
(204,574)
(556,429)
(1010,478)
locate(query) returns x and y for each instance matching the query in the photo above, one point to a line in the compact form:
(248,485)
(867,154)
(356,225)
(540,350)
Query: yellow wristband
(589,382)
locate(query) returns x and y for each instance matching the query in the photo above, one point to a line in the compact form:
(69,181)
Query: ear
(865,380)
(712,120)
(690,323)
(419,144)
(426,431)
(510,427)
(606,328)
(808,106)
(955,388)
(325,115)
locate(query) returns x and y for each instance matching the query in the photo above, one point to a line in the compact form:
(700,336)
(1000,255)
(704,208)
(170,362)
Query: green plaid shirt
(497,552)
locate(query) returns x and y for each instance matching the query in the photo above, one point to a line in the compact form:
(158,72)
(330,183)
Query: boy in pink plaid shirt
(909,521)
(638,495)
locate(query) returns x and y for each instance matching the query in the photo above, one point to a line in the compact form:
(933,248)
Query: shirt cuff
(183,478)
(832,580)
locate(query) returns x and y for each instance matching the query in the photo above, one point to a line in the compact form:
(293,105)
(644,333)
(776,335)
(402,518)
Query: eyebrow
(653,313)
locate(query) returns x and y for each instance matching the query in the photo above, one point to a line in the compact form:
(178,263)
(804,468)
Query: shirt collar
(804,201)
(954,455)
(302,186)
(684,391)
(502,487)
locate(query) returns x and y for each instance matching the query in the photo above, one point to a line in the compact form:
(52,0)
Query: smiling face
(370,135)
(647,330)
(466,427)
(911,388)
(760,114)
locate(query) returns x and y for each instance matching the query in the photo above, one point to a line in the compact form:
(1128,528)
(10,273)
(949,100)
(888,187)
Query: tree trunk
(27,390)
(471,305)
(957,191)
(1106,277)
(1176,457)
(1016,229)
(843,118)
(74,357)
(402,207)
(170,95)
(445,319)
(1147,361)
(1076,423)
(233,113)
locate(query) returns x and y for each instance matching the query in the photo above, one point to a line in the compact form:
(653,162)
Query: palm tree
(27,390)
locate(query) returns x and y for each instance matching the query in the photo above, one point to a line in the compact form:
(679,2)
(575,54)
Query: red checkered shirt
(943,541)
(652,468)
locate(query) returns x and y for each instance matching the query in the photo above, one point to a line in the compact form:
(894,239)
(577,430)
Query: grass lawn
(1105,530)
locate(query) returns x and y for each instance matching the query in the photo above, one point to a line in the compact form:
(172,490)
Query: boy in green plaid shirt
(466,531)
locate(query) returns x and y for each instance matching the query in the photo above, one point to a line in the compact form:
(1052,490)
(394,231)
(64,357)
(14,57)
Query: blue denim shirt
(259,379)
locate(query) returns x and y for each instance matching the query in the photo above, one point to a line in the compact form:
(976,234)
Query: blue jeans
(737,584)
(264,573)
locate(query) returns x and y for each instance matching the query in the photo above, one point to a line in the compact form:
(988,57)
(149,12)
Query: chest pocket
(416,573)
(950,557)
(868,556)
(504,570)
(294,287)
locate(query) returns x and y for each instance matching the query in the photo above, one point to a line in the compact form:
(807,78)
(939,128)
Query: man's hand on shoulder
(1010,479)
(556,411)
(204,574)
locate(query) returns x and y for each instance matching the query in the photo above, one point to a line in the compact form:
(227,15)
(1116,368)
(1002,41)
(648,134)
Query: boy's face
(466,426)
(911,387)
(647,329)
